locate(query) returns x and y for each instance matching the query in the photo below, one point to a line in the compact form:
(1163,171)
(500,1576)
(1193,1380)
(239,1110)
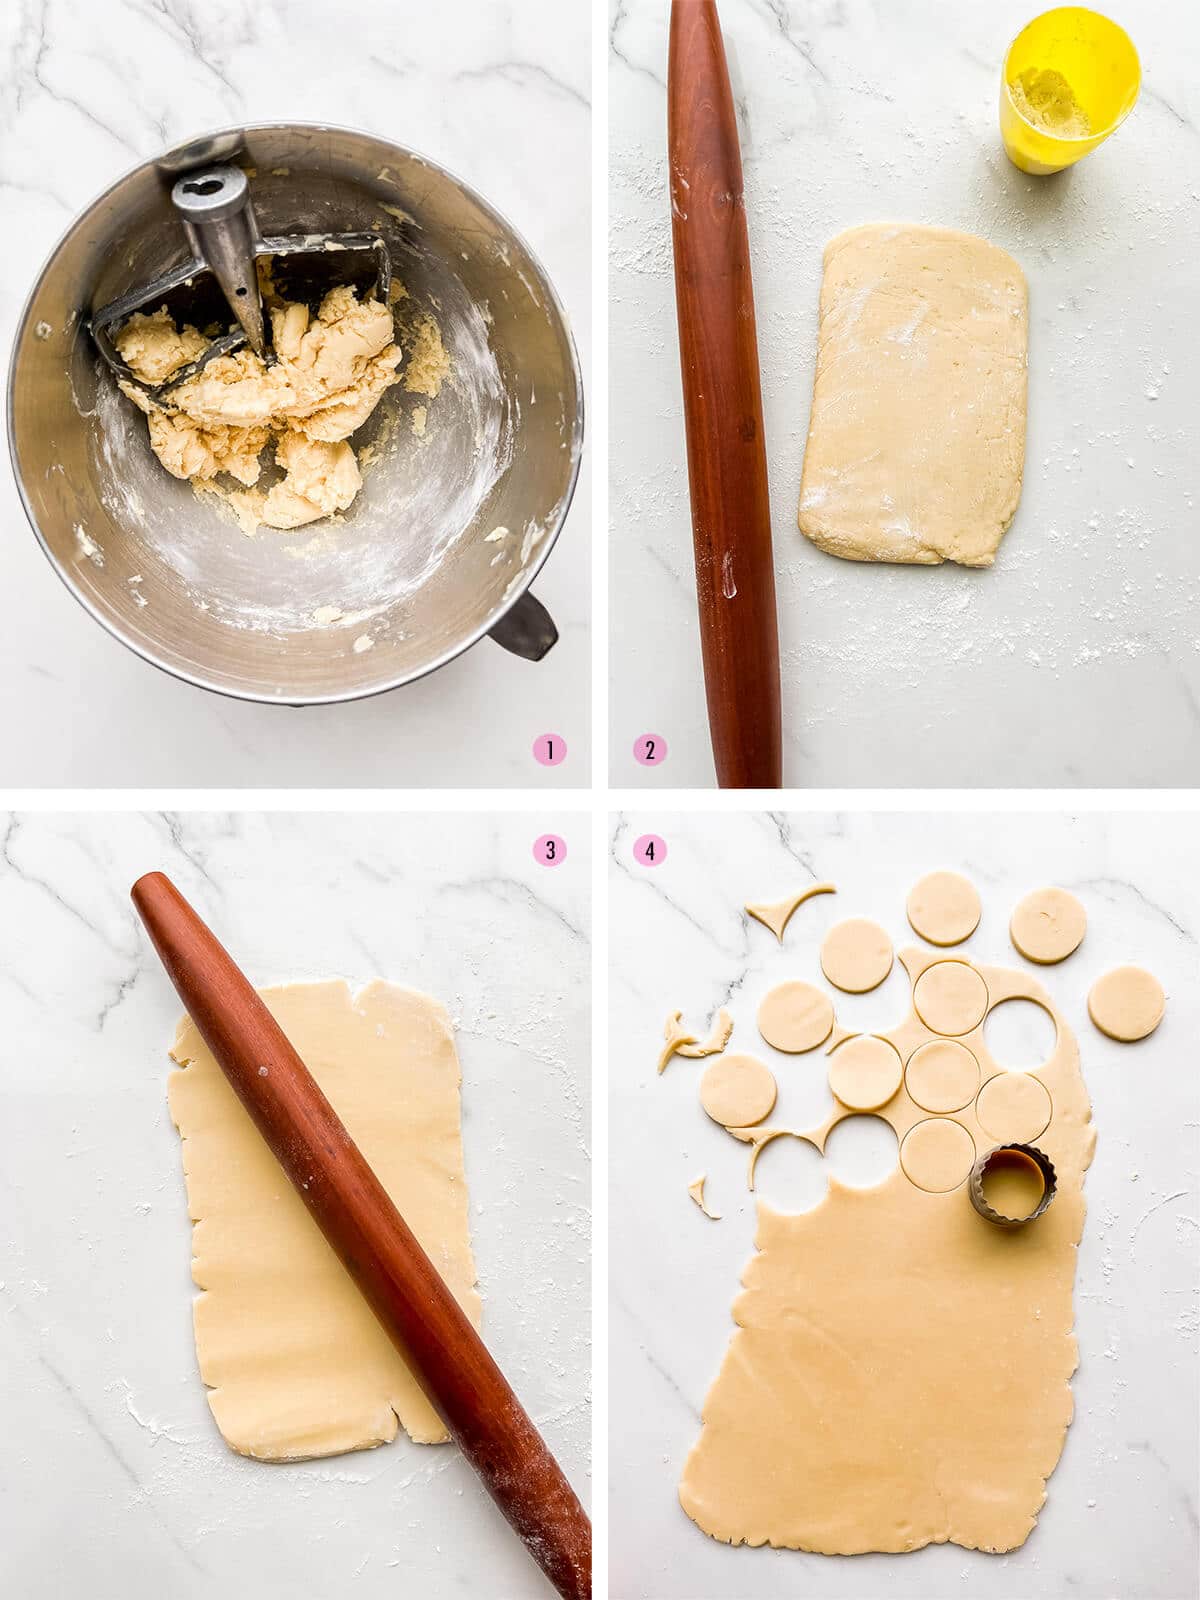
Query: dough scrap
(675,1035)
(696,1190)
(679,1041)
(737,1091)
(851,1412)
(296,1364)
(1048,926)
(330,373)
(1127,1004)
(795,1017)
(916,441)
(717,1039)
(944,908)
(856,955)
(777,915)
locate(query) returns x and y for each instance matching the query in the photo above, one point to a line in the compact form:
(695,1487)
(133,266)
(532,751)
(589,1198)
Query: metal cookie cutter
(1028,1157)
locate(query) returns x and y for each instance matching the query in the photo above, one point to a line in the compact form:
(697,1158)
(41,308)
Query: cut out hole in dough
(795,1017)
(856,955)
(790,1174)
(865,1072)
(1014,1108)
(1127,1004)
(1048,926)
(942,1076)
(937,1155)
(737,1091)
(944,908)
(861,1151)
(950,997)
(1020,1035)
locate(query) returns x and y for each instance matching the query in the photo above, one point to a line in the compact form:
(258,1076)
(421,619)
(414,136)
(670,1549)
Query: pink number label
(550,749)
(650,850)
(549,850)
(650,750)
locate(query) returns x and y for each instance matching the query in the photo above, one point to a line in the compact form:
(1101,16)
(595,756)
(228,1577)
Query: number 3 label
(650,850)
(549,850)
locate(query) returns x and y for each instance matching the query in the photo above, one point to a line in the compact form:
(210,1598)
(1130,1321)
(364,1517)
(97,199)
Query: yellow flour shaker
(1070,78)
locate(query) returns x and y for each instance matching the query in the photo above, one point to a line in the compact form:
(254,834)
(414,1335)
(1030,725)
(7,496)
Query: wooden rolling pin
(352,1209)
(722,405)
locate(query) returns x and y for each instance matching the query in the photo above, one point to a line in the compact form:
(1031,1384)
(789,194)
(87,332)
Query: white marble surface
(1075,660)
(113,1478)
(1121,1516)
(497,91)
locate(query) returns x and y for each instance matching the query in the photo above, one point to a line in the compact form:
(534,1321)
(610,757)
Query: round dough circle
(1048,926)
(944,908)
(937,1155)
(737,1091)
(950,997)
(856,955)
(1127,1003)
(795,1017)
(1014,1107)
(865,1072)
(942,1075)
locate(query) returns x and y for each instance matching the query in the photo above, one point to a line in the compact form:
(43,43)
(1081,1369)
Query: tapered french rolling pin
(722,406)
(354,1212)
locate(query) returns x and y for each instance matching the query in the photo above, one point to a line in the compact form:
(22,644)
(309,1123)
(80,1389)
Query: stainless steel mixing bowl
(411,571)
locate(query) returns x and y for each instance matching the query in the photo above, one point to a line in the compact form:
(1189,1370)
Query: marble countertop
(499,94)
(114,1479)
(1121,1514)
(1075,659)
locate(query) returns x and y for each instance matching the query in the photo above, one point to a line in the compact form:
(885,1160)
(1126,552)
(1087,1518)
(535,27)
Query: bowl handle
(527,629)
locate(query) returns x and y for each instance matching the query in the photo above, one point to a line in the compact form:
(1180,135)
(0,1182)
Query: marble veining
(679,937)
(499,94)
(1075,660)
(123,1480)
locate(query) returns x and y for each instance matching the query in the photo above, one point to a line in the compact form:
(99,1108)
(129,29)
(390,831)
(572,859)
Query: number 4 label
(650,850)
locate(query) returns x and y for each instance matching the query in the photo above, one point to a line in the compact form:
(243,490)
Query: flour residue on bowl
(426,470)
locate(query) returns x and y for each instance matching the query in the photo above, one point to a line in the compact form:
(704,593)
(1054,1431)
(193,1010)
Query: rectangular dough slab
(916,442)
(296,1363)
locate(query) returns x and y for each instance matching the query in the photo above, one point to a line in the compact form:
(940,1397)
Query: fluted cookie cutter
(1012,1154)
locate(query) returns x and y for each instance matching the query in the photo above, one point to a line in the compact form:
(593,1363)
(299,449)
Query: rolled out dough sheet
(916,441)
(899,1374)
(297,1365)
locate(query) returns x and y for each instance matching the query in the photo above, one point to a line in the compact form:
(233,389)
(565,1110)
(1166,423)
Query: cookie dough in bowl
(350,535)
